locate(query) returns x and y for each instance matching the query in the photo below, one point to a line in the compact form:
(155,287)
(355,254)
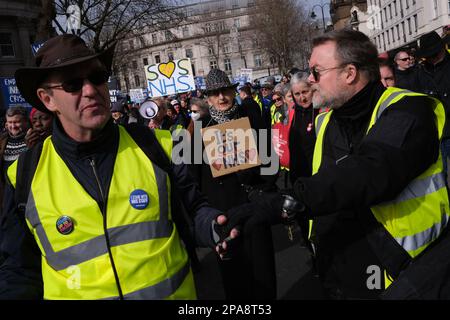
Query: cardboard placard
(230,147)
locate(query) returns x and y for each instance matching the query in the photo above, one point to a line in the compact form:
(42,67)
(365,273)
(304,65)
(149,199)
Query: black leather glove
(274,208)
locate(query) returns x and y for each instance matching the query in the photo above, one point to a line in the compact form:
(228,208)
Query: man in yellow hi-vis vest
(99,220)
(377,198)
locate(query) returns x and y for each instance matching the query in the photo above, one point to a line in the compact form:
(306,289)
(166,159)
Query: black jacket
(20,275)
(302,138)
(435,81)
(357,172)
(407,79)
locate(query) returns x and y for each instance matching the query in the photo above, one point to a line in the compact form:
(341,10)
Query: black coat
(407,79)
(435,81)
(250,274)
(302,138)
(20,275)
(357,172)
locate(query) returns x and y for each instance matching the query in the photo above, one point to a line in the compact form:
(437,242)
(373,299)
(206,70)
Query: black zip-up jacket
(359,170)
(20,274)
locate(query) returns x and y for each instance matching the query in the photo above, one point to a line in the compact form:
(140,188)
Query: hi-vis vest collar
(139,236)
(417,216)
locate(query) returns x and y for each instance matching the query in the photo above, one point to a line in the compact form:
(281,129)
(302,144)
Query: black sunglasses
(75,84)
(405,59)
(278,99)
(216,92)
(316,73)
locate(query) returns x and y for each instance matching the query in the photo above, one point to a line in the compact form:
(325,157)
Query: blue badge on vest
(64,225)
(139,199)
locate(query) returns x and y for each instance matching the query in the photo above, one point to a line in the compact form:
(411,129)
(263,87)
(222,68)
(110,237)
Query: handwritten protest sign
(169,78)
(230,147)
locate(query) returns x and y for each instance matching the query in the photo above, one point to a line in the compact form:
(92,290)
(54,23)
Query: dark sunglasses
(75,84)
(316,73)
(216,92)
(405,59)
(278,99)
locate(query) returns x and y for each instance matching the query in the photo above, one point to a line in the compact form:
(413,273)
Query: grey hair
(300,77)
(286,89)
(201,103)
(353,47)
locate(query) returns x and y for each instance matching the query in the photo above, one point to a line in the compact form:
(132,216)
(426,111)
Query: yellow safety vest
(418,215)
(150,260)
(258,101)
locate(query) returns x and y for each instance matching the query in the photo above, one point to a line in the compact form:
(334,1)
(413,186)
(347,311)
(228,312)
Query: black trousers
(250,272)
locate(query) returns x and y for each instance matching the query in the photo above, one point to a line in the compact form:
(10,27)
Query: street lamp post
(313,14)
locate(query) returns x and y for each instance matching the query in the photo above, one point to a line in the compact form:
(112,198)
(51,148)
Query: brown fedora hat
(57,52)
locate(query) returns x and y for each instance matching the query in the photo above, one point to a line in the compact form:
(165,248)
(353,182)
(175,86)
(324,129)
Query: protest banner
(11,94)
(248,73)
(230,147)
(169,78)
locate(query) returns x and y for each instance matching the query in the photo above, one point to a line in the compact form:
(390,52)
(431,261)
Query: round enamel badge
(64,225)
(139,199)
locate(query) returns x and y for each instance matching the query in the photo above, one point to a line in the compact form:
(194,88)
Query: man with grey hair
(377,197)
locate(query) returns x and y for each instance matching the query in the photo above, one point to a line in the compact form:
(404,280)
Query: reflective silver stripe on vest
(320,119)
(162,289)
(386,102)
(420,239)
(96,247)
(419,188)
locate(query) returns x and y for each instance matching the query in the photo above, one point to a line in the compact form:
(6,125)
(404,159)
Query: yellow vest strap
(419,188)
(418,240)
(160,290)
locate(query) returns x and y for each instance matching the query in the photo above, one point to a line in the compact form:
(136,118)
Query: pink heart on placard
(217,164)
(250,154)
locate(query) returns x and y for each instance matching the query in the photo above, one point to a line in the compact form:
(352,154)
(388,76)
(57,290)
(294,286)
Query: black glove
(274,208)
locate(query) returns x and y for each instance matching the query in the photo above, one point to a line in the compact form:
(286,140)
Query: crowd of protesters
(356,167)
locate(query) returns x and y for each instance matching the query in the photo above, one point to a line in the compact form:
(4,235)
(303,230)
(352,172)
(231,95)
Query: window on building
(226,48)
(407,4)
(449,7)
(131,44)
(395,8)
(227,63)
(210,51)
(6,45)
(398,32)
(385,15)
(185,32)
(134,64)
(170,56)
(127,83)
(409,26)
(237,22)
(154,38)
(220,26)
(388,37)
(189,53)
(235,4)
(257,60)
(145,61)
(137,81)
(435,9)
(416,23)
(390,11)
(157,59)
(168,35)
(213,64)
(207,27)
(384,43)
(193,69)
